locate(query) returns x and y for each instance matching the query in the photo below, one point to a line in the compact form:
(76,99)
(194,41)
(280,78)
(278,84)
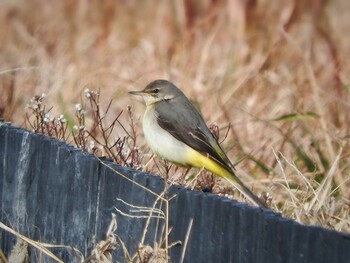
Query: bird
(176,131)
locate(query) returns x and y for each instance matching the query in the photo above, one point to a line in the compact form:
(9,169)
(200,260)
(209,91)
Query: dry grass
(274,74)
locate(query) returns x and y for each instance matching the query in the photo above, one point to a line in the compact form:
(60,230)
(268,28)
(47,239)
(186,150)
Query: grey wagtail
(175,131)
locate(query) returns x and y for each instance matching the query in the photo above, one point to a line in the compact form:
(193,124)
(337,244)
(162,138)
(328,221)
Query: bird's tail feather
(199,160)
(237,183)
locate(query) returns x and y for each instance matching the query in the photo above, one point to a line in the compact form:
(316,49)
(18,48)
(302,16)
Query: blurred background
(270,77)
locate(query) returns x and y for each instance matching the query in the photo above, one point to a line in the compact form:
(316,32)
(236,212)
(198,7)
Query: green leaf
(297,116)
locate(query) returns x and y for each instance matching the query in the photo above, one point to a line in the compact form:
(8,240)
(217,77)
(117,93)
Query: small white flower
(92,144)
(78,107)
(34,106)
(61,119)
(48,117)
(87,93)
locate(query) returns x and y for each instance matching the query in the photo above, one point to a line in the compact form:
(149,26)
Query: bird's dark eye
(155,91)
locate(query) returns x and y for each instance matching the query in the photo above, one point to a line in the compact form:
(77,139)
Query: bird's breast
(162,142)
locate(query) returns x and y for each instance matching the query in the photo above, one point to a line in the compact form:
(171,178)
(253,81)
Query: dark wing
(188,126)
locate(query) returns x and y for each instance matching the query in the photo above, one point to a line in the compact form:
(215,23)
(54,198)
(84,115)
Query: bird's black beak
(137,92)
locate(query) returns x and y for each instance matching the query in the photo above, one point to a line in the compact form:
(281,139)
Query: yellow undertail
(198,160)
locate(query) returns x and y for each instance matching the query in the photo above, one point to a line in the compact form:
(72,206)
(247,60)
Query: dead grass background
(274,74)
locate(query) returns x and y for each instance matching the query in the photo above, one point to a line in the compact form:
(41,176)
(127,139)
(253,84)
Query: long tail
(237,183)
(230,176)
(197,159)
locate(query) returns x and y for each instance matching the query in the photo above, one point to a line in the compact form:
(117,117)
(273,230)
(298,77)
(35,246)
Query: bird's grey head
(158,90)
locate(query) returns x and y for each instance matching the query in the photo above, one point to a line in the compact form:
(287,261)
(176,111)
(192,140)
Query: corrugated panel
(55,193)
